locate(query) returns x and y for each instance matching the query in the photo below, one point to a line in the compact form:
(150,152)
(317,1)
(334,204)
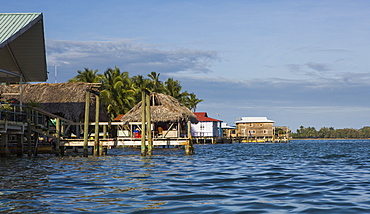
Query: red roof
(203,117)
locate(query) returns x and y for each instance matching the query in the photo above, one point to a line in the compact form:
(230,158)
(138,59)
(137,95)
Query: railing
(18,113)
(12,112)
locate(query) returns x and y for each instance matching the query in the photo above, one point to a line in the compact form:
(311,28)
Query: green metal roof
(22,47)
(13,24)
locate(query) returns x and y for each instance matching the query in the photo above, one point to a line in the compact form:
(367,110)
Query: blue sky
(295,62)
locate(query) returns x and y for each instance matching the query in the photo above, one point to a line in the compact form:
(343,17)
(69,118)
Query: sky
(299,63)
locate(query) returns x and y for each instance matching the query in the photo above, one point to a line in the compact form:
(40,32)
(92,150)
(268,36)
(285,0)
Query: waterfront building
(228,131)
(207,126)
(258,128)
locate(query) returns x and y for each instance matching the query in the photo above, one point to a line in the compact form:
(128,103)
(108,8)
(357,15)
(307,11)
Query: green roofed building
(22,48)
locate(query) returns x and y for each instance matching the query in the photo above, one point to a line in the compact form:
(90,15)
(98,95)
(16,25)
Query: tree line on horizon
(330,132)
(120,92)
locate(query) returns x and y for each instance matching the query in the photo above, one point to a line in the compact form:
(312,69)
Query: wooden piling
(148,124)
(86,123)
(28,135)
(143,122)
(36,147)
(96,142)
(4,151)
(189,149)
(20,145)
(57,130)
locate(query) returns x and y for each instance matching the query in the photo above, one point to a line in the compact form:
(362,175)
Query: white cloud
(128,55)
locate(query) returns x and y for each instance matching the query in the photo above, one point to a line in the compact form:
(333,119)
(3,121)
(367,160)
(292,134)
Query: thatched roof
(163,108)
(64,99)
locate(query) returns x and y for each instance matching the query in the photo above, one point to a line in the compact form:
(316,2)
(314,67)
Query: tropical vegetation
(330,132)
(120,92)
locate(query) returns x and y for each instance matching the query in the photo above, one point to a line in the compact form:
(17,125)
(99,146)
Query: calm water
(299,177)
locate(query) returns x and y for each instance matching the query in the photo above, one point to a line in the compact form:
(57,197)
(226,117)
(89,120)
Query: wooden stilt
(86,123)
(57,130)
(19,145)
(35,150)
(29,132)
(189,149)
(148,122)
(96,142)
(143,122)
(4,151)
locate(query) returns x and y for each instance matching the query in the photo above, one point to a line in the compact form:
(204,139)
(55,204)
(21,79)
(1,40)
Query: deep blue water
(298,177)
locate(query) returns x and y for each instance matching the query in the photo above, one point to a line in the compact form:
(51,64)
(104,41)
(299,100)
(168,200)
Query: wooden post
(143,122)
(86,124)
(29,132)
(189,149)
(149,124)
(4,151)
(57,130)
(96,144)
(35,150)
(62,131)
(20,145)
(104,137)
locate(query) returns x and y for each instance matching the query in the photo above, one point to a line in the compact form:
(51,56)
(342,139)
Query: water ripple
(299,177)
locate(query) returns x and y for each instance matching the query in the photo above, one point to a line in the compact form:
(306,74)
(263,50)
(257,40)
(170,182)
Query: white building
(206,127)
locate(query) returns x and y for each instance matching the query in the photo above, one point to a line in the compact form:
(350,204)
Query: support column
(104,137)
(149,124)
(86,124)
(189,149)
(20,145)
(143,122)
(96,142)
(57,130)
(29,132)
(4,151)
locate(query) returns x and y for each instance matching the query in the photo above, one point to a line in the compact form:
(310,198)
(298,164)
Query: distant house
(207,127)
(255,127)
(228,131)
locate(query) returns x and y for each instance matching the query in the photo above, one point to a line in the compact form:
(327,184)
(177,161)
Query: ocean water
(298,177)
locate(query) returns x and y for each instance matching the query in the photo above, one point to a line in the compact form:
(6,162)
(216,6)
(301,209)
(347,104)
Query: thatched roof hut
(63,99)
(163,108)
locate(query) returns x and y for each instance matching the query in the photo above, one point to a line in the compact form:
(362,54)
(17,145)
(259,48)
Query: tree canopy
(120,92)
(330,132)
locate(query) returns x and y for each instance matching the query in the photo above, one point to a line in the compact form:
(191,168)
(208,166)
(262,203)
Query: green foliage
(330,132)
(120,92)
(87,75)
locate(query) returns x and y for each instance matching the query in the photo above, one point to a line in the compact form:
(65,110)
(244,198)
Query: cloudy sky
(296,62)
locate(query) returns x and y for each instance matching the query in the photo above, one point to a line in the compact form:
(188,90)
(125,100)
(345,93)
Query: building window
(251,124)
(252,131)
(265,131)
(261,124)
(202,127)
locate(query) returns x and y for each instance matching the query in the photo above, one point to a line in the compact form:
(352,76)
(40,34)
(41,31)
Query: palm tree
(87,75)
(117,93)
(173,88)
(192,101)
(156,84)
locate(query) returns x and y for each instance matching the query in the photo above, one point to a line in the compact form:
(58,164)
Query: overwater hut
(66,100)
(169,119)
(63,99)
